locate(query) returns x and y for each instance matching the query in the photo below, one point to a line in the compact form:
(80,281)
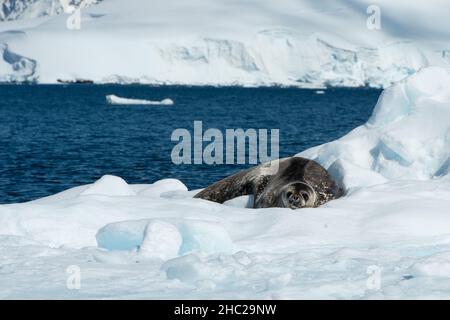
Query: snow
(161,240)
(113,99)
(109,186)
(287,42)
(402,139)
(26,9)
(191,234)
(20,69)
(156,241)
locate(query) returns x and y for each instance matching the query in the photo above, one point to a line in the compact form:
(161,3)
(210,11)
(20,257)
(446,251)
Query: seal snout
(299,195)
(295,199)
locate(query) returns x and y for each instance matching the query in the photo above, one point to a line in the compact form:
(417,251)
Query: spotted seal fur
(293,182)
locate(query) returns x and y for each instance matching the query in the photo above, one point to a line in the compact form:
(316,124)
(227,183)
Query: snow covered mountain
(287,42)
(26,9)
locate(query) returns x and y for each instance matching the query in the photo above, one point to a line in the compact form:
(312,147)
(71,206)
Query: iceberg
(156,241)
(113,99)
(407,136)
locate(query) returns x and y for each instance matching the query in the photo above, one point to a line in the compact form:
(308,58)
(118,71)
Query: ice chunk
(109,186)
(162,240)
(113,99)
(209,237)
(196,235)
(125,235)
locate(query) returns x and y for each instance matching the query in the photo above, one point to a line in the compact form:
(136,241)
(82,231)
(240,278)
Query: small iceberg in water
(113,99)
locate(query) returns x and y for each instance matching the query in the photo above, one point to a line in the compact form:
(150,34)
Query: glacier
(155,241)
(214,42)
(11,10)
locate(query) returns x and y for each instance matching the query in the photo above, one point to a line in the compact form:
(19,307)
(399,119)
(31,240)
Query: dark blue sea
(54,137)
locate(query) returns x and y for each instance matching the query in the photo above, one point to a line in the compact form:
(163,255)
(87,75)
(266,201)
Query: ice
(403,138)
(163,186)
(127,235)
(203,272)
(241,202)
(437,265)
(162,240)
(20,68)
(279,282)
(109,186)
(206,237)
(26,9)
(195,235)
(186,268)
(113,99)
(157,241)
(286,42)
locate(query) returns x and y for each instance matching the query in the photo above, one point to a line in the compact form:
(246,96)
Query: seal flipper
(239,184)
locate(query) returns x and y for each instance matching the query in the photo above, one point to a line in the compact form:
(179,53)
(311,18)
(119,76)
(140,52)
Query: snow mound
(109,186)
(407,136)
(113,99)
(163,186)
(240,202)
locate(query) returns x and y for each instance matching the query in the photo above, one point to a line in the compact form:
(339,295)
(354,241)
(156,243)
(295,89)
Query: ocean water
(54,137)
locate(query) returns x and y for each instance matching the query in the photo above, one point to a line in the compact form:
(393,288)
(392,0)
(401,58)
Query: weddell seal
(286,183)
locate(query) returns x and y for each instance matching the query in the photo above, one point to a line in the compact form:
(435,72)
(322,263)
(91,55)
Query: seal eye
(305,196)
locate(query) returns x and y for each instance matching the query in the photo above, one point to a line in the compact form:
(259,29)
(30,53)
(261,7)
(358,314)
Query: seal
(293,182)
